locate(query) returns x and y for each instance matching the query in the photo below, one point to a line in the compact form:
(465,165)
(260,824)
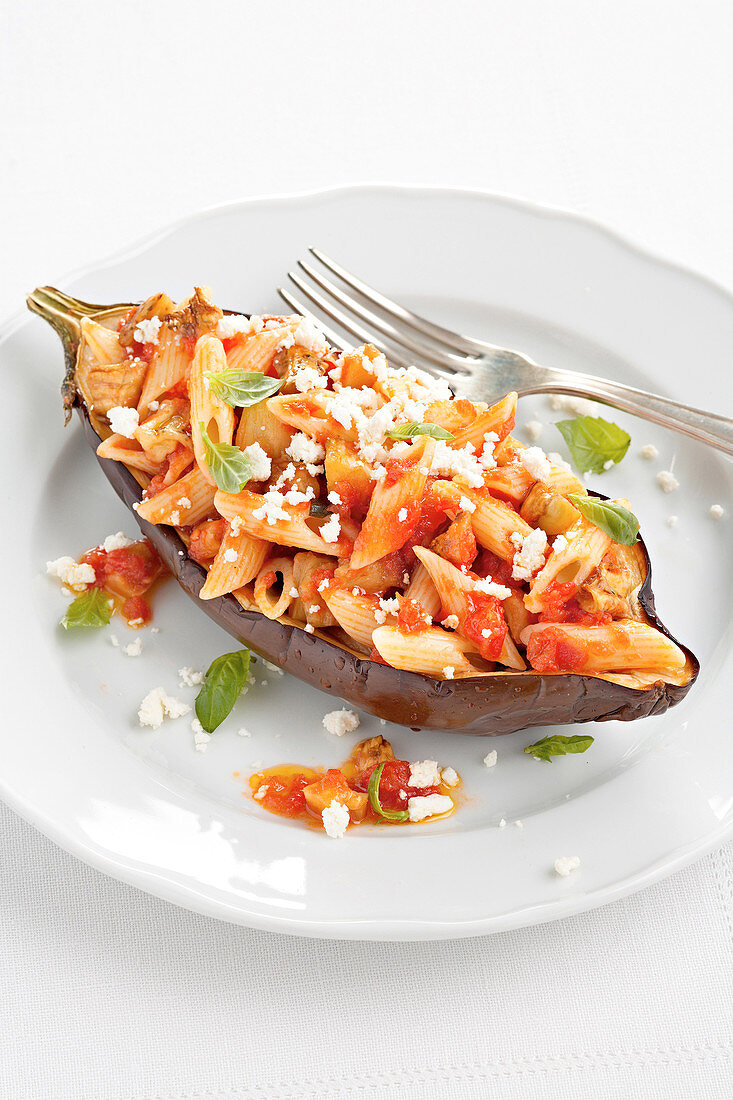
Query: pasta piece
(257,424)
(169,366)
(455,414)
(216,416)
(225,574)
(422,589)
(494,523)
(569,566)
(255,353)
(121,449)
(432,651)
(308,413)
(517,616)
(188,501)
(455,589)
(612,647)
(240,509)
(271,604)
(512,482)
(357,615)
(394,509)
(310,573)
(499,418)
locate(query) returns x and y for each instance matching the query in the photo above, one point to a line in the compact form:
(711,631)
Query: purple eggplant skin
(503,702)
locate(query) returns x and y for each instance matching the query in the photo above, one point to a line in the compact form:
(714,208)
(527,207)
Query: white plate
(146,808)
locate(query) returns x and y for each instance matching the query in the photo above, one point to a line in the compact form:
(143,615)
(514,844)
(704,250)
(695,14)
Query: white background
(118,118)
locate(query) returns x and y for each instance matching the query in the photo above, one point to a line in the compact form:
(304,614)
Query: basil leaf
(616,521)
(376,805)
(92,608)
(594,442)
(226,678)
(241,388)
(557,744)
(412,428)
(230,468)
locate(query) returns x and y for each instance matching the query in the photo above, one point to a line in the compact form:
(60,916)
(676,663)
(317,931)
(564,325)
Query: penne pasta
(494,523)
(499,419)
(609,647)
(207,410)
(570,566)
(247,511)
(121,449)
(187,501)
(432,651)
(271,603)
(238,561)
(169,366)
(422,589)
(358,615)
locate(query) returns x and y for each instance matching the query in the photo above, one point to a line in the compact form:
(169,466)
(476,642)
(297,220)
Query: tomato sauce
(552,651)
(289,790)
(561,606)
(412,617)
(127,574)
(485,613)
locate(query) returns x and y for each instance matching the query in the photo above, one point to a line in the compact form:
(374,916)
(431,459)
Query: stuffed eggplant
(360,527)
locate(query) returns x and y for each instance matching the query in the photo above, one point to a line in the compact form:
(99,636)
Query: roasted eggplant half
(494,701)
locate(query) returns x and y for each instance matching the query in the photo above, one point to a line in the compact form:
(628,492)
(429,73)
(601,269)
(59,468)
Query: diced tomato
(436,503)
(485,612)
(206,540)
(561,606)
(394,784)
(131,570)
(491,565)
(135,609)
(284,794)
(412,617)
(97,559)
(398,467)
(552,651)
(172,467)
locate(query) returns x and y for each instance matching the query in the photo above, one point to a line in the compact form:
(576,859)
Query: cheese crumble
(421,806)
(667,482)
(424,773)
(147,332)
(530,553)
(123,421)
(339,722)
(335,818)
(189,677)
(490,759)
(157,706)
(70,572)
(565,865)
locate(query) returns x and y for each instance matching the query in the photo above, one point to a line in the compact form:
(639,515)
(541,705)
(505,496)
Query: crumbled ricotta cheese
(230,326)
(293,593)
(339,722)
(672,521)
(308,629)
(379,472)
(421,806)
(114,640)
(466,505)
(424,773)
(313,609)
(242,732)
(558,460)
(200,737)
(578,405)
(115,542)
(157,706)
(331,529)
(451,622)
(272,508)
(308,378)
(123,421)
(183,502)
(533,428)
(147,332)
(70,572)
(449,777)
(323,585)
(334,498)
(230,555)
(649,451)
(402,515)
(391,605)
(133,649)
(260,462)
(565,865)
(559,544)
(175,519)
(717,511)
(335,818)
(667,482)
(536,463)
(153,406)
(502,823)
(190,677)
(449,672)
(304,449)
(461,463)
(490,759)
(530,553)
(307,335)
(491,588)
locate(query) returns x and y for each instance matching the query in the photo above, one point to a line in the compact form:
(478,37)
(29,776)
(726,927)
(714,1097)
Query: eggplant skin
(495,704)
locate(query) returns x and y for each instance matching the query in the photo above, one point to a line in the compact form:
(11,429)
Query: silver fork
(472,367)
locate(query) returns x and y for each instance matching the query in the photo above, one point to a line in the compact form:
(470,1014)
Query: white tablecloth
(120,117)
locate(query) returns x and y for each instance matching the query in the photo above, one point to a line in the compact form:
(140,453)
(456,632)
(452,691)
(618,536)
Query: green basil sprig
(230,468)
(412,429)
(376,805)
(226,678)
(92,608)
(241,388)
(614,520)
(594,442)
(557,744)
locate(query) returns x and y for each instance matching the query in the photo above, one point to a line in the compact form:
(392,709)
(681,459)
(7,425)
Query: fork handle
(716,431)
